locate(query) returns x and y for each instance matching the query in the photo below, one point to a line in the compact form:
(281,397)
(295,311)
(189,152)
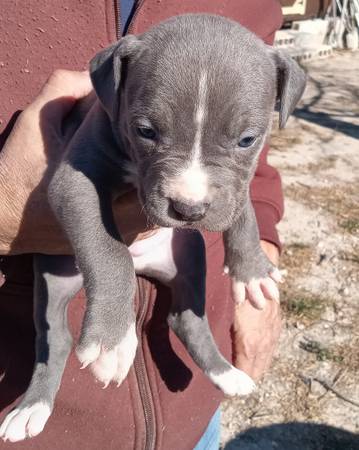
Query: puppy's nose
(191,212)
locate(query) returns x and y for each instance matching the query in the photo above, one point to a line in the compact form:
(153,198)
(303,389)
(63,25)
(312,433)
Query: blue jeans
(210,438)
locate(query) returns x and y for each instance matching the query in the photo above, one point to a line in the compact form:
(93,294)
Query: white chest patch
(153,256)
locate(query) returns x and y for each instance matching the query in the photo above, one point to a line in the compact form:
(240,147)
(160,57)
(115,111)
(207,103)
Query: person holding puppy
(165,402)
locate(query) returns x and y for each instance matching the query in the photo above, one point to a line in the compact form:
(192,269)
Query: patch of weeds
(283,142)
(349,354)
(302,305)
(321,352)
(338,200)
(285,138)
(350,225)
(298,246)
(296,259)
(299,304)
(322,134)
(350,256)
(323,164)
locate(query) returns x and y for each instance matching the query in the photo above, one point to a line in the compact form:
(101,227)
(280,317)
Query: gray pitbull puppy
(182,112)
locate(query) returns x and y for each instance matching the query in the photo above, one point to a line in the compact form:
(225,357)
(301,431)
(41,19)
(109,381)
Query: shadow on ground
(294,436)
(329,119)
(325,120)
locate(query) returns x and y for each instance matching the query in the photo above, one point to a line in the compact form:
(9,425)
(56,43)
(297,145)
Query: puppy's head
(192,101)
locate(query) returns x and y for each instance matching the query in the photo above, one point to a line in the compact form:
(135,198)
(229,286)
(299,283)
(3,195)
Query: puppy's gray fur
(202,84)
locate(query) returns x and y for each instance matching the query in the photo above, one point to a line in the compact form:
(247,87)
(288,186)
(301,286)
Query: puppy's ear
(291,80)
(106,69)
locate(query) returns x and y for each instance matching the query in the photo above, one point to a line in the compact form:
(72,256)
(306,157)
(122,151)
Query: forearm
(20,176)
(9,208)
(267,199)
(244,257)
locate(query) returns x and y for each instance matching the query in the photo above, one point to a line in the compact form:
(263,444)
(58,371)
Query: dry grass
(340,201)
(281,140)
(323,164)
(350,256)
(347,354)
(299,303)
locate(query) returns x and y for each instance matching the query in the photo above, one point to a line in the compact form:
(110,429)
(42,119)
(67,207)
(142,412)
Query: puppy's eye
(247,141)
(146,132)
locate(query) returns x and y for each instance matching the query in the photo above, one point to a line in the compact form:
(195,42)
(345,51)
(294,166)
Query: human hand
(27,161)
(255,332)
(32,149)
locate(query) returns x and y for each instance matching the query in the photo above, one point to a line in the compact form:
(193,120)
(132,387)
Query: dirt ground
(310,398)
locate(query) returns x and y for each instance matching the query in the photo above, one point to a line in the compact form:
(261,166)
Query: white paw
(258,289)
(25,422)
(233,382)
(114,364)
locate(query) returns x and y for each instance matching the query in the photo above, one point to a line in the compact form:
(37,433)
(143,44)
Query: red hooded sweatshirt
(165,402)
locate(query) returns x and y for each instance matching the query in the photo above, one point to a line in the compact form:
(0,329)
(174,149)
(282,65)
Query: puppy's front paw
(109,364)
(24,422)
(257,290)
(233,382)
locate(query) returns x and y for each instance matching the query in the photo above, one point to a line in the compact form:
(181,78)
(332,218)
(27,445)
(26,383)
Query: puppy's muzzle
(189,212)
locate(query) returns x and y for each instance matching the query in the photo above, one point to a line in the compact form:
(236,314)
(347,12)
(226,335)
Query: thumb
(66,87)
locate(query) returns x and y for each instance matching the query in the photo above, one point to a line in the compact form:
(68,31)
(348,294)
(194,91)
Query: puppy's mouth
(162,213)
(167,216)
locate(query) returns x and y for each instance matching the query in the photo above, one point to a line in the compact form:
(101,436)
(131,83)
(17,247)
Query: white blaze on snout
(200,113)
(192,183)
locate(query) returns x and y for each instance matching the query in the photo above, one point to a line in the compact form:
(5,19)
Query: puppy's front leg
(81,196)
(179,261)
(56,281)
(247,264)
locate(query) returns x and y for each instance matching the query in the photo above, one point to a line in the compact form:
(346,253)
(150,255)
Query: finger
(271,250)
(276,275)
(253,347)
(263,360)
(270,289)
(262,357)
(2,278)
(247,365)
(260,364)
(255,363)
(238,291)
(250,362)
(242,357)
(268,360)
(67,85)
(255,294)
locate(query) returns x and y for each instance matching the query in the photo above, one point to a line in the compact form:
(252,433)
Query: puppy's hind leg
(56,282)
(188,319)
